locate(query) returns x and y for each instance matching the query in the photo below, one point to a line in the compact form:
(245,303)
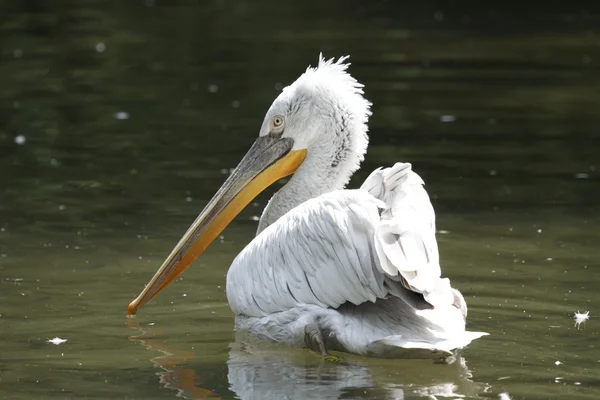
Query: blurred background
(119,120)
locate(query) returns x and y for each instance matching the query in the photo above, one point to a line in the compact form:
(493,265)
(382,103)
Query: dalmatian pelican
(350,270)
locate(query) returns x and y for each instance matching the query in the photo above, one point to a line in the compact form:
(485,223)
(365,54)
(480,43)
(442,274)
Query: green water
(118,121)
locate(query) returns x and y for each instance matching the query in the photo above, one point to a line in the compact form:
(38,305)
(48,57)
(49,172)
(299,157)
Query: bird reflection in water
(174,375)
(257,370)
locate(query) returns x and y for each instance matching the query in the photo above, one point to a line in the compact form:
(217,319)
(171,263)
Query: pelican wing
(347,246)
(319,253)
(405,237)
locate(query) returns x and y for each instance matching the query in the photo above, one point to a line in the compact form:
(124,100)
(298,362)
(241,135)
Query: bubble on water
(254,218)
(100,47)
(62,207)
(582,175)
(493,172)
(278,86)
(447,118)
(235,104)
(121,115)
(18,53)
(57,340)
(20,139)
(189,198)
(213,88)
(54,162)
(557,362)
(539,231)
(504,396)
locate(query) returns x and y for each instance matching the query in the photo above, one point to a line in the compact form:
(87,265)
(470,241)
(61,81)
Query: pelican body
(329,269)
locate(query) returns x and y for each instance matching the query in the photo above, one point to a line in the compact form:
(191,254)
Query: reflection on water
(253,369)
(258,370)
(119,120)
(174,375)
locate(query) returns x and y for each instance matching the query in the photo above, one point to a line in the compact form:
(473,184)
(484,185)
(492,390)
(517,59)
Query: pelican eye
(277,122)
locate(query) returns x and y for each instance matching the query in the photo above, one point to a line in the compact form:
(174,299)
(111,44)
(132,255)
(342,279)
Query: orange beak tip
(131,309)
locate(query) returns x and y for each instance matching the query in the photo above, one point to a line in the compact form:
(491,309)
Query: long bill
(269,159)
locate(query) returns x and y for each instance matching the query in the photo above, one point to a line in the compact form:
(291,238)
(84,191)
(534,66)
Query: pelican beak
(268,160)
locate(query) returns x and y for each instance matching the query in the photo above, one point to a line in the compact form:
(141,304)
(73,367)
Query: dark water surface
(119,120)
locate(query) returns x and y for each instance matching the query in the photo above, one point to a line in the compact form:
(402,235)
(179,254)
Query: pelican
(330,268)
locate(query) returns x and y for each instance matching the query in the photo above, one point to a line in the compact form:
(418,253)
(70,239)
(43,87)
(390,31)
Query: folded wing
(346,246)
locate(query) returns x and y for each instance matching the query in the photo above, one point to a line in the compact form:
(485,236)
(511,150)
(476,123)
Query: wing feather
(405,237)
(320,250)
(346,246)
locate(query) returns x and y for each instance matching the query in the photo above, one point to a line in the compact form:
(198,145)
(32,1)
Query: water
(119,121)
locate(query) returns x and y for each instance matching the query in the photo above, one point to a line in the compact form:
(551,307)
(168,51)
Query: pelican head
(316,129)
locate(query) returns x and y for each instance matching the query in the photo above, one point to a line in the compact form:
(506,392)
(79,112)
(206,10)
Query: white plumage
(362,265)
(330,269)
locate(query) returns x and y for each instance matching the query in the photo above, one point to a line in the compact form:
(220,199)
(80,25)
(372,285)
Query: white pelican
(329,269)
